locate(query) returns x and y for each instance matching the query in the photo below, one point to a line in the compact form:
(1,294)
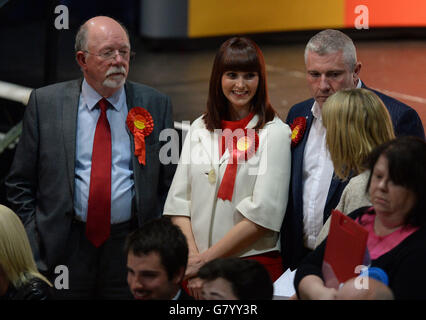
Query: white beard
(117,80)
(114,82)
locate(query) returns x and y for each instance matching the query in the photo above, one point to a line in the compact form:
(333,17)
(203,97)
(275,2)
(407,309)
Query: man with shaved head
(86,170)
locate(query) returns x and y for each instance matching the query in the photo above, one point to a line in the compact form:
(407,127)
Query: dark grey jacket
(40,185)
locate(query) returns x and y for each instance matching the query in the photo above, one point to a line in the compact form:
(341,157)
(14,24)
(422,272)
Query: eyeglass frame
(113,54)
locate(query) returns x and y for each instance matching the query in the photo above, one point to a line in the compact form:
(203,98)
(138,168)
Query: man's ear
(178,277)
(356,72)
(80,56)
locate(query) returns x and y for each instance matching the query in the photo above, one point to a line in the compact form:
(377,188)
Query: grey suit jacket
(40,185)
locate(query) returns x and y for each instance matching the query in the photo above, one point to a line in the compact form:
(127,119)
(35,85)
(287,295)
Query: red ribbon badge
(140,124)
(242,145)
(297,130)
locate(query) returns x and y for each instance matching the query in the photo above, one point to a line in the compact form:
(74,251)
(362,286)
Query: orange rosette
(297,130)
(242,147)
(140,123)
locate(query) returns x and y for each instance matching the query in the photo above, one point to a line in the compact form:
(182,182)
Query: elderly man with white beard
(87,171)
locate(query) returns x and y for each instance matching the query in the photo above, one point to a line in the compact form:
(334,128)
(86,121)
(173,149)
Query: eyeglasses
(111,54)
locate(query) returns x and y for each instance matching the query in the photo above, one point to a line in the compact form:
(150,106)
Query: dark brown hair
(237,54)
(161,236)
(248,278)
(407,167)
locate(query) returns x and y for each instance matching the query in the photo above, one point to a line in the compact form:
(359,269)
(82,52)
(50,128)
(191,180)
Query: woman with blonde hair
(356,121)
(19,278)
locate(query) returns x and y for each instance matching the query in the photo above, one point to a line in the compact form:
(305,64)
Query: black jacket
(405,264)
(36,290)
(406,122)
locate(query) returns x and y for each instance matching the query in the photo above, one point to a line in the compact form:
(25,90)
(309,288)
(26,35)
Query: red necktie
(99,206)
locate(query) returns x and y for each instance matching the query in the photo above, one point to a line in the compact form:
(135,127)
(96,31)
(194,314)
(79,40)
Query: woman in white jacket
(230,190)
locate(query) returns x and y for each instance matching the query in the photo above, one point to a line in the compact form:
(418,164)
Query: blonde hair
(356,121)
(16,257)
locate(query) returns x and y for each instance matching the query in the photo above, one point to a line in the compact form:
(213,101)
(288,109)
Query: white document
(283,286)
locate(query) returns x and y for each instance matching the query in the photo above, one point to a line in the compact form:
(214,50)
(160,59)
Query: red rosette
(297,130)
(242,145)
(140,123)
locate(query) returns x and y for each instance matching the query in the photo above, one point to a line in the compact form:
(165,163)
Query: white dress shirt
(317,175)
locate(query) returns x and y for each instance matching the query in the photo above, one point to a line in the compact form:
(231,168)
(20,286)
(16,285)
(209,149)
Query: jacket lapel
(69,125)
(139,178)
(129,95)
(297,163)
(130,103)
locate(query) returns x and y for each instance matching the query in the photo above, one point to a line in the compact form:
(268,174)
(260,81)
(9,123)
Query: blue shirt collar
(91,97)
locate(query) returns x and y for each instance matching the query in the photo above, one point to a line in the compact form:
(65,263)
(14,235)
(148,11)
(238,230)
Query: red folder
(345,249)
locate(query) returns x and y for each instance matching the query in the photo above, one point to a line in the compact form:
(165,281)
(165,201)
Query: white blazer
(260,190)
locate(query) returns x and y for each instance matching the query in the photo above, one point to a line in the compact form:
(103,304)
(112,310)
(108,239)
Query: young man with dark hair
(157,255)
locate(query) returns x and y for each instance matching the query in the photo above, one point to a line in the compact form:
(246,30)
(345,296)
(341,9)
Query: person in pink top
(396,224)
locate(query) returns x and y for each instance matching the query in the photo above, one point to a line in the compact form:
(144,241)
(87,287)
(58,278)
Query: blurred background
(175,42)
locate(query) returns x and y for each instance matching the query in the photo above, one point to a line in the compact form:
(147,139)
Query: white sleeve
(178,202)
